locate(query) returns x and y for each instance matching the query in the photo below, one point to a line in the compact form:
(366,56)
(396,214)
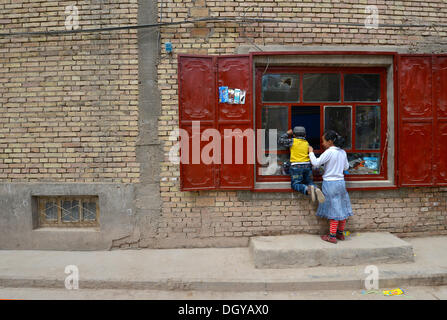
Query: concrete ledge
(295,251)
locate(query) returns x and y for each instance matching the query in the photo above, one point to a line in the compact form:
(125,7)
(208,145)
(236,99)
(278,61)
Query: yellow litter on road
(394,292)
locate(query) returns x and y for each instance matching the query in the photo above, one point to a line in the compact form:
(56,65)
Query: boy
(300,166)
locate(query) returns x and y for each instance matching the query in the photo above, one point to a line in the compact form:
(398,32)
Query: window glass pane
(338,118)
(70,211)
(364,163)
(362,87)
(367,127)
(280,88)
(273,168)
(50,211)
(321,87)
(89,211)
(274,117)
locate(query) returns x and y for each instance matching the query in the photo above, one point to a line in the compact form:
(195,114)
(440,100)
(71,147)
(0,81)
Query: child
(337,206)
(300,167)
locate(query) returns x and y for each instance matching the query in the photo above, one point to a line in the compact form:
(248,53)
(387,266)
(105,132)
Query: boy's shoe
(311,192)
(340,235)
(320,195)
(329,238)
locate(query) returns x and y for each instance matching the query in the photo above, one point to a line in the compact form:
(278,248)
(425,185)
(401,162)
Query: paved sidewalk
(411,293)
(210,269)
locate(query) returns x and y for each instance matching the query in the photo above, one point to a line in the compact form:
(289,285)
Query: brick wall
(195,215)
(225,37)
(218,218)
(68,103)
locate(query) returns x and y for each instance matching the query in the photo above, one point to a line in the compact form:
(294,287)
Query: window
(351,101)
(362,87)
(321,87)
(81,211)
(338,118)
(280,87)
(358,96)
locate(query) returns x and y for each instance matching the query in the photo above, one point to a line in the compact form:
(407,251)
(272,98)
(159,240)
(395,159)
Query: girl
(337,206)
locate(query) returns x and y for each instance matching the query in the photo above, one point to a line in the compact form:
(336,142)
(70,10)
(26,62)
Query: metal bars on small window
(81,211)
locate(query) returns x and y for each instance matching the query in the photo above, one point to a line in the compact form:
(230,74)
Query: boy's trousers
(301,175)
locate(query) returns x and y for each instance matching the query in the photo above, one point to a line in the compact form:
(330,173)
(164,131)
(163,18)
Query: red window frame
(261,70)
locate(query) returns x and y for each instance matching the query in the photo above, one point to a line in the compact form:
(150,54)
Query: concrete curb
(434,278)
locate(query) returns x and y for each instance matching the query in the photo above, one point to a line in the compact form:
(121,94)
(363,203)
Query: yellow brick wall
(68,103)
(225,37)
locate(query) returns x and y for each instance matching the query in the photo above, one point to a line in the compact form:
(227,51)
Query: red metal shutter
(235,72)
(197,105)
(415,152)
(440,127)
(199,78)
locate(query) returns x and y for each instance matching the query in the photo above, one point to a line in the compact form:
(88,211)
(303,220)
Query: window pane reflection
(89,211)
(367,127)
(362,87)
(338,118)
(70,211)
(51,211)
(272,167)
(321,87)
(364,163)
(274,117)
(280,88)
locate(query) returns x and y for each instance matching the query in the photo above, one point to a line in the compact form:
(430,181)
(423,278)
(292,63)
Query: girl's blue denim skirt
(337,205)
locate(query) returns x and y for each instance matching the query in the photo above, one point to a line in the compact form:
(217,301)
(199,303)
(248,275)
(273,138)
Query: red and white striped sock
(333,227)
(341,225)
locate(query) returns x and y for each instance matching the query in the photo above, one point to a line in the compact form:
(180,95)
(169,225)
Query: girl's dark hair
(337,139)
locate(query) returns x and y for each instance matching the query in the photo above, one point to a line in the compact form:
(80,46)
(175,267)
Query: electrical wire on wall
(215,19)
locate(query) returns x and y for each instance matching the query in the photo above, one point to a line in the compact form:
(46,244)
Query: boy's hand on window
(289,132)
(311,149)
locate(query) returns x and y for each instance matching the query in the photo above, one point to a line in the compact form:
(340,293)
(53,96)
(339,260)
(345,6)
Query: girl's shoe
(329,238)
(340,235)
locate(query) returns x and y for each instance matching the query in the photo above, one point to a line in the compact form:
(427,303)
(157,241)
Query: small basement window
(68,211)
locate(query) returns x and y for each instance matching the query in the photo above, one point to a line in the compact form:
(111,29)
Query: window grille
(68,211)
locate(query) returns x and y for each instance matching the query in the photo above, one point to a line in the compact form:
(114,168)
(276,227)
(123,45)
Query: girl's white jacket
(335,161)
